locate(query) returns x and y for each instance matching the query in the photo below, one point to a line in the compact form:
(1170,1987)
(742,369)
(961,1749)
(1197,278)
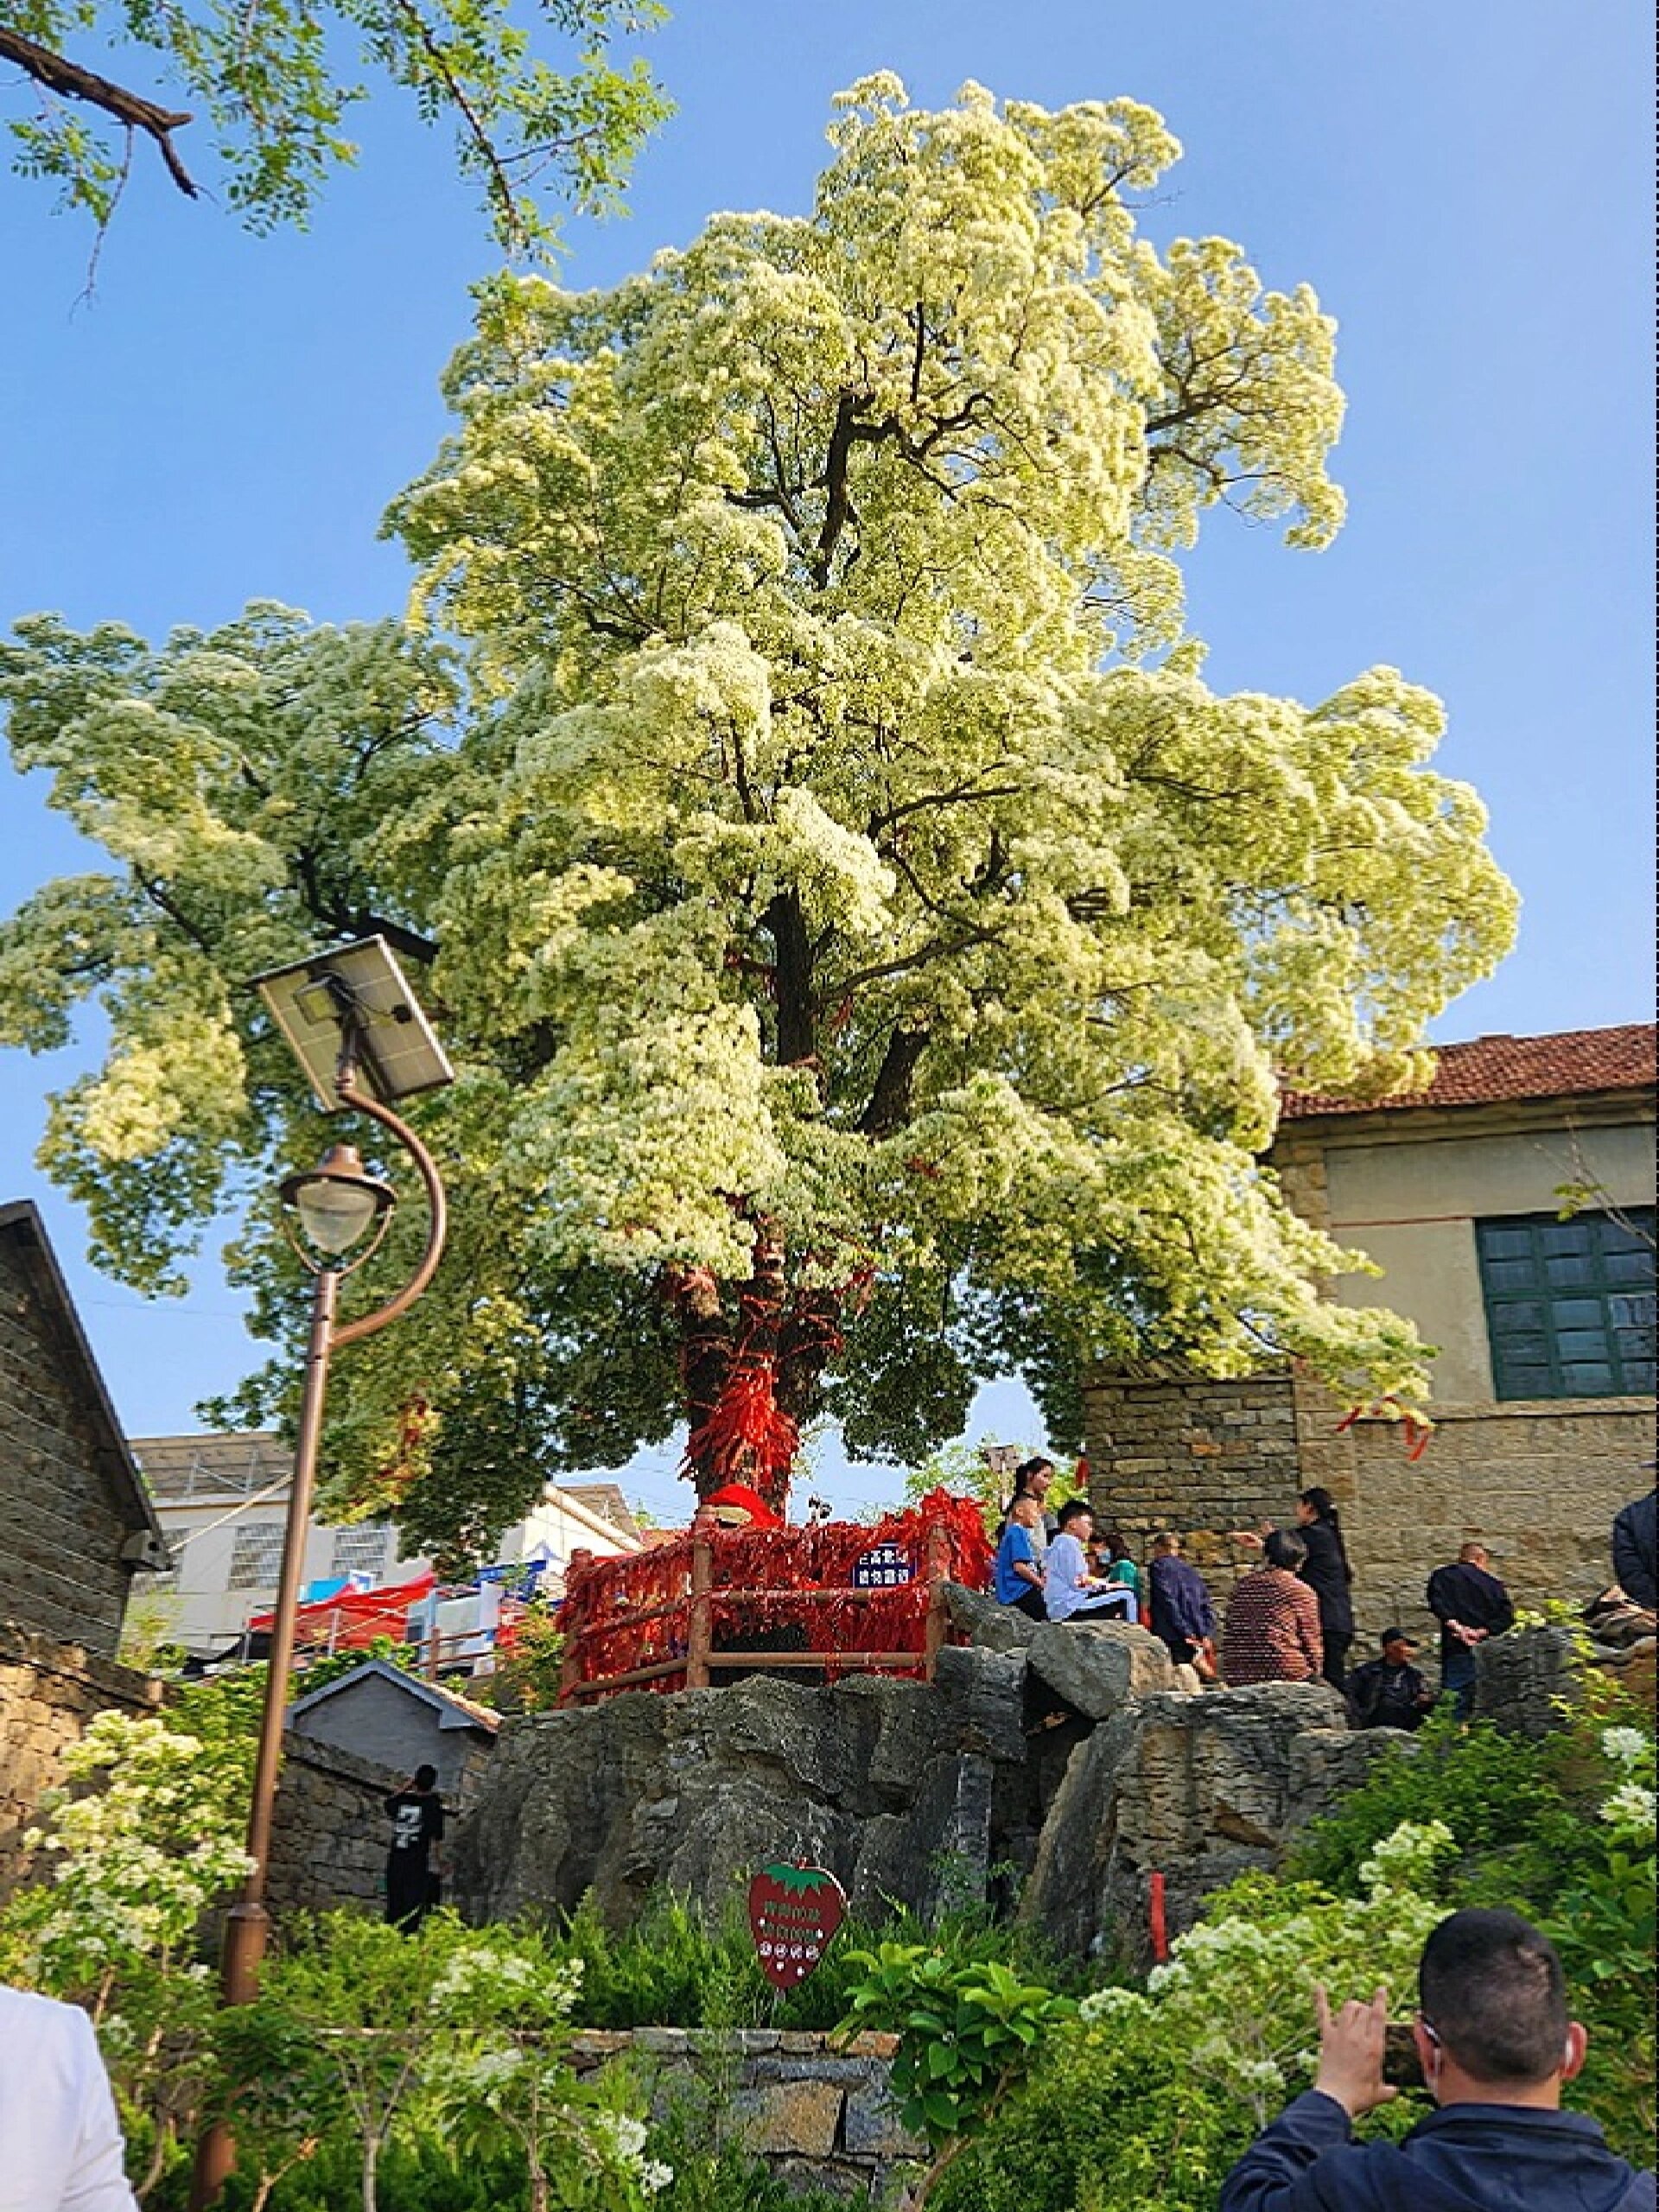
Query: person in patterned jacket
(1273,1622)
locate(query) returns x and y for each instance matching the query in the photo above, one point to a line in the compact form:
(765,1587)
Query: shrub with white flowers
(1236,1992)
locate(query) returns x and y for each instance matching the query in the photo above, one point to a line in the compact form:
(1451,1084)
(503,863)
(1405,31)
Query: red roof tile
(1491,1069)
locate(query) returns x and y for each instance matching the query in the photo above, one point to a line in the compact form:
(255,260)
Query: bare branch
(70,81)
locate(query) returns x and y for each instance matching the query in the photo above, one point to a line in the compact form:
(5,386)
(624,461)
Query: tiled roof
(1491,1070)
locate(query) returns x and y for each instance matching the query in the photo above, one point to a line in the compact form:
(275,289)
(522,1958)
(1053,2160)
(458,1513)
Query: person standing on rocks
(1183,1617)
(1470,1604)
(1327,1573)
(1017,1575)
(1273,1621)
(1031,1479)
(1633,1551)
(415,1812)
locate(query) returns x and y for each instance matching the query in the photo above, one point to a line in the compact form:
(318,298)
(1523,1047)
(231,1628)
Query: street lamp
(363,1041)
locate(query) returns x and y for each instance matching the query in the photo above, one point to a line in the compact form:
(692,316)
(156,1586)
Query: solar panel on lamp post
(357,1030)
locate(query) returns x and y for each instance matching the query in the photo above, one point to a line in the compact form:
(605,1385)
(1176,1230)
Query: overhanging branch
(70,81)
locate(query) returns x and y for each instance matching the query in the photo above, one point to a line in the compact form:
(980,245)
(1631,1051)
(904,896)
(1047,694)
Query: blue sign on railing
(884,1567)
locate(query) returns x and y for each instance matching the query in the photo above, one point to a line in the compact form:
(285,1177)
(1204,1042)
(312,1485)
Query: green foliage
(270,84)
(679,1967)
(527,1679)
(968,2032)
(1515,1829)
(457,2036)
(332,1666)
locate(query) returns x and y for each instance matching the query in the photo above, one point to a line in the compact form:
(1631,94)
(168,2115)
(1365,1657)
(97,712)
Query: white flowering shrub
(142,1838)
(459,2035)
(1236,1993)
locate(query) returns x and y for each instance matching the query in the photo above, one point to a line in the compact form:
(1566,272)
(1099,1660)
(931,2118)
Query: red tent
(353,1618)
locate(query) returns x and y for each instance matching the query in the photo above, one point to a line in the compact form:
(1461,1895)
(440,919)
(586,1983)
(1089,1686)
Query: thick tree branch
(70,81)
(785,922)
(336,911)
(889,1101)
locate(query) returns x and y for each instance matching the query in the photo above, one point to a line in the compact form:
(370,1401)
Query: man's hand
(1350,2052)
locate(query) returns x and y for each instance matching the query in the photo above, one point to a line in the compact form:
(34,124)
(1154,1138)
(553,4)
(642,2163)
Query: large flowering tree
(867,946)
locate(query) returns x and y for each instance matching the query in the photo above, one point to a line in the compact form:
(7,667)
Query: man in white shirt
(1070,1591)
(60,2139)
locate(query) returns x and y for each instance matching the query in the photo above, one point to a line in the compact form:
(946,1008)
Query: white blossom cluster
(1236,1993)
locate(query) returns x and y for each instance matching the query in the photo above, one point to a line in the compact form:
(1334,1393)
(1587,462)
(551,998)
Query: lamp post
(342,1214)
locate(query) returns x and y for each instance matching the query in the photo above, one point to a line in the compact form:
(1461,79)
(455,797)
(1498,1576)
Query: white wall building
(222,1499)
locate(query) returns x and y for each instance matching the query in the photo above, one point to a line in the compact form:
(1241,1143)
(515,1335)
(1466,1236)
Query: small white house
(221,1501)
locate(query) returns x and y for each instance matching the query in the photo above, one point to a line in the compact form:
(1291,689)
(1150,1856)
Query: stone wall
(329,1842)
(819,2113)
(64,1524)
(1168,1449)
(1537,1484)
(48,1692)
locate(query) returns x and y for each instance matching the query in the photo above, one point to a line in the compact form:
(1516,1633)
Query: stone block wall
(61,1570)
(1172,1450)
(330,1837)
(819,2113)
(1537,1484)
(48,1692)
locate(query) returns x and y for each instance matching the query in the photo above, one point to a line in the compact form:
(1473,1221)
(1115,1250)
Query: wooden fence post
(937,1557)
(700,1624)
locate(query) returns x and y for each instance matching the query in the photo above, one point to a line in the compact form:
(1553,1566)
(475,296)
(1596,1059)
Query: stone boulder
(892,1785)
(1522,1680)
(1197,1789)
(990,1625)
(1327,1765)
(1099,1667)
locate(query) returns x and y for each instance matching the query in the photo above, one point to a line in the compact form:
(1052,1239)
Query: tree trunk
(810,1338)
(705,1352)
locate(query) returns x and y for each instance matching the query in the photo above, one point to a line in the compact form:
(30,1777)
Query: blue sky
(1466,186)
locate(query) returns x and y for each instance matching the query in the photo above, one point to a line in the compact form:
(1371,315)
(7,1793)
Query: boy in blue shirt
(1019,1573)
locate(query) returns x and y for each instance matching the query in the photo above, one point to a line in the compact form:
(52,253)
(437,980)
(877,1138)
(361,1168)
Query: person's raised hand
(1351,2044)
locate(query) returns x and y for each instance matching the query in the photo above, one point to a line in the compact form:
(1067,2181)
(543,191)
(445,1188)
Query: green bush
(1516,1827)
(676,1967)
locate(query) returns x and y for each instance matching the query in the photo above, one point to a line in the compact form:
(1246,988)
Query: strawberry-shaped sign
(793,1913)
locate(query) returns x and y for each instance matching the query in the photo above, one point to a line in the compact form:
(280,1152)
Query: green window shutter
(1569,1304)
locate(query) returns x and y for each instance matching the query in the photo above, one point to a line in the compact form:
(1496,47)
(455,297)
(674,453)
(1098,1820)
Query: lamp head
(338,1203)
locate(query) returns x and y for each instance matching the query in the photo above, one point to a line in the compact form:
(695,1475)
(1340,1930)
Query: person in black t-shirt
(415,1812)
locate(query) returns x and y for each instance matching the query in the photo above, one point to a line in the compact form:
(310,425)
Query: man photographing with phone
(1496,2044)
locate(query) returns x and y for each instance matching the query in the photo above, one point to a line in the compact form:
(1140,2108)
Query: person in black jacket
(1470,1604)
(1389,1691)
(1633,1545)
(415,1812)
(1327,1573)
(1495,2045)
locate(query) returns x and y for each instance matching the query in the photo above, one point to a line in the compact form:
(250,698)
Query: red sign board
(794,1912)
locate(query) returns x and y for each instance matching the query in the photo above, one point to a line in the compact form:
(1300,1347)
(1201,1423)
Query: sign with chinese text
(794,1912)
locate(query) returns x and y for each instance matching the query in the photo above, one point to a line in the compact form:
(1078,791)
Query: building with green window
(1511,1206)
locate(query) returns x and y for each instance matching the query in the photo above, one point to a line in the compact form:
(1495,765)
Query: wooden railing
(688,1620)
